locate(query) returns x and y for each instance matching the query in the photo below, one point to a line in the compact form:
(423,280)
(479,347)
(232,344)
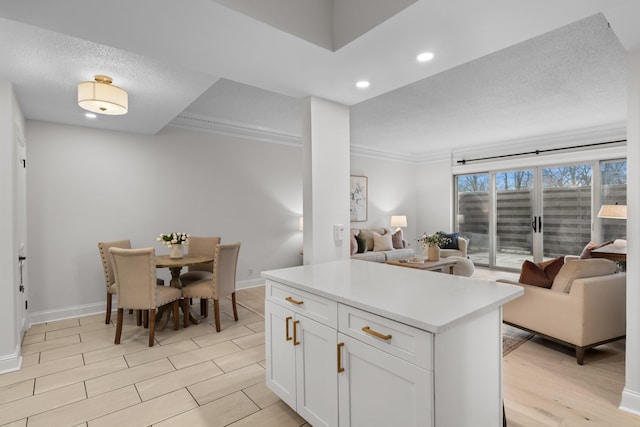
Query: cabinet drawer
(406,342)
(312,306)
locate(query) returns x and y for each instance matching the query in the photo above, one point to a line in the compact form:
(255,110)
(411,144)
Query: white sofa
(590,313)
(379,256)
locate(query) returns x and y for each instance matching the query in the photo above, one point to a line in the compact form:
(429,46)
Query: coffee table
(421,263)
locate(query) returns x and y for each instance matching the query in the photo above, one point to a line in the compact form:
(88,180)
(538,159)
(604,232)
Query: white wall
(89,185)
(392,191)
(434,183)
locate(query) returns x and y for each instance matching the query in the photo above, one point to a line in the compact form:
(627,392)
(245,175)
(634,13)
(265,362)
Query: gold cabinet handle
(292,301)
(370,331)
(287,327)
(340,368)
(295,333)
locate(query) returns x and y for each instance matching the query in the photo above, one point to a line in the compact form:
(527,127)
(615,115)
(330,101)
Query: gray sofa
(371,254)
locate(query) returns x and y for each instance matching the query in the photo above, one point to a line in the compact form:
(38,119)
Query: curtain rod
(536,152)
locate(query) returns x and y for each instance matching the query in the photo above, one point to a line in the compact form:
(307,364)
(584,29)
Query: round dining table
(175,265)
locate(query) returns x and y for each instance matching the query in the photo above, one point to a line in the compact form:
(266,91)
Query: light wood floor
(73,375)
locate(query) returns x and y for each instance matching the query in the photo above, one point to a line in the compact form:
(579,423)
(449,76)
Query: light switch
(338,231)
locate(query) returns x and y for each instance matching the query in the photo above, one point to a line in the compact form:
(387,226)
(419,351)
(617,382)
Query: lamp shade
(613,211)
(398,220)
(101,97)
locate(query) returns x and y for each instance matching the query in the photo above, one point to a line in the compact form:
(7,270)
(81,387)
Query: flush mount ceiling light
(362,84)
(425,57)
(101,97)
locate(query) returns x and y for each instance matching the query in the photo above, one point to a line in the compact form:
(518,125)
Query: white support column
(326,165)
(631,395)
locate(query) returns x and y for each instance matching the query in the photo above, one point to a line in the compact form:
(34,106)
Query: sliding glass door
(566,210)
(515,201)
(538,213)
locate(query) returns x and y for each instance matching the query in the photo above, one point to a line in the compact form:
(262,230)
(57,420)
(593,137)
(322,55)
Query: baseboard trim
(630,401)
(246,284)
(11,362)
(96,308)
(66,313)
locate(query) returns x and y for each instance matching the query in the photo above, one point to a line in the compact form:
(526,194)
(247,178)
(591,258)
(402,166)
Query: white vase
(433,253)
(176,251)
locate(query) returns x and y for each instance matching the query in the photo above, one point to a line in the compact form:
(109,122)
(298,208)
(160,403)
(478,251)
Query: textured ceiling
(502,71)
(568,79)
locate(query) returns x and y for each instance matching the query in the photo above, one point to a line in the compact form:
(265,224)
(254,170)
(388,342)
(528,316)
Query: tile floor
(73,375)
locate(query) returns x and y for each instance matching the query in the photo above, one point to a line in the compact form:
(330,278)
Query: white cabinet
(379,389)
(302,363)
(377,345)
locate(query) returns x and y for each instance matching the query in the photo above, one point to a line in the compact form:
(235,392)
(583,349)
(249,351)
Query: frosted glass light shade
(613,211)
(398,220)
(102,97)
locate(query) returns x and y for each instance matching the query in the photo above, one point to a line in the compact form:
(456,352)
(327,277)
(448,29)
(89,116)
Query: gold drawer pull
(292,301)
(287,327)
(370,331)
(295,333)
(340,368)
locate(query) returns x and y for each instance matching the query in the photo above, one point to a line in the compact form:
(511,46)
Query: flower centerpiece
(175,242)
(431,244)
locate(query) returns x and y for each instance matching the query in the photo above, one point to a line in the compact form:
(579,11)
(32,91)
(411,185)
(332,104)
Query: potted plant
(431,244)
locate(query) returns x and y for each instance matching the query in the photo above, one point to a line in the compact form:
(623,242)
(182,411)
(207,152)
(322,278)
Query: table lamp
(614,212)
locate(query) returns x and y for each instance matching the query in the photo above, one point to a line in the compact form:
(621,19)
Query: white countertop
(431,301)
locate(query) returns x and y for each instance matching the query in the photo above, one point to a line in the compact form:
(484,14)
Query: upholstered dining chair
(220,285)
(109,279)
(137,289)
(200,246)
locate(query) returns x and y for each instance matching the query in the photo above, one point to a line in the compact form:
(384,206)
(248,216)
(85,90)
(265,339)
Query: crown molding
(597,134)
(227,127)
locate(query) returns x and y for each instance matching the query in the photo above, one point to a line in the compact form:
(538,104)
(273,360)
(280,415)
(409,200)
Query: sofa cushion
(370,256)
(367,235)
(581,268)
(362,244)
(396,240)
(382,242)
(453,240)
(354,245)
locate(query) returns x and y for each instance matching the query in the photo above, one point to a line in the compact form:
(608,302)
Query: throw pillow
(552,267)
(382,242)
(362,244)
(396,240)
(532,274)
(367,236)
(453,240)
(354,244)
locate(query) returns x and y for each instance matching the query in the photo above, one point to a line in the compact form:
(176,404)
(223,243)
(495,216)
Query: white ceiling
(503,70)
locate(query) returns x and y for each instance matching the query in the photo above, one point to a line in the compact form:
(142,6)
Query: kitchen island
(356,343)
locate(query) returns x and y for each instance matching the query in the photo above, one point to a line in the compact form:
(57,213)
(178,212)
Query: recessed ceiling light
(424,57)
(363,84)
(90,115)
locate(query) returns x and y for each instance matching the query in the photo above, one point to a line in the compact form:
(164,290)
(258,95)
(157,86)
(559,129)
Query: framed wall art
(358,198)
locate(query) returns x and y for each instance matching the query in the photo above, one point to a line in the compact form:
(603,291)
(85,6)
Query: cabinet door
(280,353)
(317,372)
(379,389)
